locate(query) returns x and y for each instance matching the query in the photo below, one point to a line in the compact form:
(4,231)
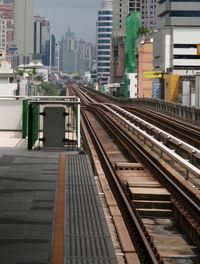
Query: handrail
(13,97)
(192,149)
(184,163)
(36,97)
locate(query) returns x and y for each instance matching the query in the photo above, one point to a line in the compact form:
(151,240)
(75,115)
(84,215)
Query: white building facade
(175,43)
(7,85)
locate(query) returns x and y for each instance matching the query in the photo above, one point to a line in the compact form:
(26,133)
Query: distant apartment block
(6,28)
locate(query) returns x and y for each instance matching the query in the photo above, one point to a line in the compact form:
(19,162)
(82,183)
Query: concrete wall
(8,89)
(10,114)
(184,113)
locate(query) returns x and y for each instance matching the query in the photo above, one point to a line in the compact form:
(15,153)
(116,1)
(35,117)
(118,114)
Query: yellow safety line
(58,241)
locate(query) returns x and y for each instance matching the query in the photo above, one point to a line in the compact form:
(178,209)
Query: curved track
(185,131)
(185,202)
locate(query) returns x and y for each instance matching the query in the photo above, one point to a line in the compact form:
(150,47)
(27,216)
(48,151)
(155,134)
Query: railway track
(153,207)
(185,131)
(189,133)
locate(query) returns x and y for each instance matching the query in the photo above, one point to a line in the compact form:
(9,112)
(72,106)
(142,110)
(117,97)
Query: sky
(79,15)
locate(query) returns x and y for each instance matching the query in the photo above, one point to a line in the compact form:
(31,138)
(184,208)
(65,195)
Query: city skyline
(71,14)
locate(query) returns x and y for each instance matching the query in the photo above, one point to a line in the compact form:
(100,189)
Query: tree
(145,31)
(48,89)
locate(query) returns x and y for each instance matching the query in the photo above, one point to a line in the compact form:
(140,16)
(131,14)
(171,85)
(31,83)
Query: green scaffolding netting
(132,32)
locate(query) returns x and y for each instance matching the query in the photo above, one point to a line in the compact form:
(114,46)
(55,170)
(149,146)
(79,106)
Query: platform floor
(29,184)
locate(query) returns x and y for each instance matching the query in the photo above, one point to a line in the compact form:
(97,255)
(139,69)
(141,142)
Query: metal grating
(87,239)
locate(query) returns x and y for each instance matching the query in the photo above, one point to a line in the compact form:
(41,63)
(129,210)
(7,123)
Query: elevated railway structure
(137,203)
(154,177)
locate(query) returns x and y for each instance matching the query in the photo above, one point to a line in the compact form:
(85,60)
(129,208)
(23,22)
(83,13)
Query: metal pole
(79,124)
(25,119)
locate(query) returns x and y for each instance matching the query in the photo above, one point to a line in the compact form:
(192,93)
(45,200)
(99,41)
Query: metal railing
(147,139)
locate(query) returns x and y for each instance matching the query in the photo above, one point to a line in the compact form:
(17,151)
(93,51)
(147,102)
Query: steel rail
(150,256)
(157,130)
(177,189)
(184,163)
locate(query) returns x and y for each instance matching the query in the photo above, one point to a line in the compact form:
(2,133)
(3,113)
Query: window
(104,35)
(103,47)
(104,64)
(105,12)
(184,13)
(105,18)
(104,41)
(105,24)
(104,52)
(104,29)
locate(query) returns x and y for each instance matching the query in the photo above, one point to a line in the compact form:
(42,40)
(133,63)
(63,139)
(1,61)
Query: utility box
(54,121)
(54,127)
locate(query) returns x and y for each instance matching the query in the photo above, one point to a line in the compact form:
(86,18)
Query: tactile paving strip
(87,238)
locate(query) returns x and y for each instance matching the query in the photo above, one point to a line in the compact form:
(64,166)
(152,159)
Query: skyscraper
(104,33)
(69,52)
(148,13)
(42,39)
(24,28)
(38,34)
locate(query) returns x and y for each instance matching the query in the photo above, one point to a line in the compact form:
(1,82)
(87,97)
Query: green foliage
(63,92)
(20,72)
(145,31)
(48,89)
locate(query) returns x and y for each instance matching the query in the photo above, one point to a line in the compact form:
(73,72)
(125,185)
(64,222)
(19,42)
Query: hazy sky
(80,15)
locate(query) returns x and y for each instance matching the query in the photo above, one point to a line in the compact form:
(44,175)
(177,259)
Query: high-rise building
(175,43)
(86,55)
(56,66)
(176,52)
(42,39)
(24,29)
(104,33)
(46,33)
(134,5)
(178,13)
(148,14)
(120,11)
(6,28)
(38,34)
(69,52)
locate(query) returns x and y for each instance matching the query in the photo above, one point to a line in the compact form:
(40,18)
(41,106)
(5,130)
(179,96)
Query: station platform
(50,210)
